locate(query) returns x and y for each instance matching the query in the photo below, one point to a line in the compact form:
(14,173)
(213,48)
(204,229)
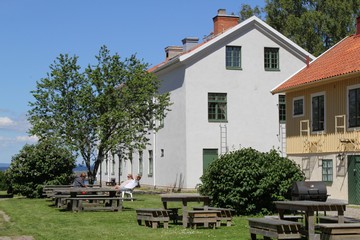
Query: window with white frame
(298,106)
(354,106)
(318,112)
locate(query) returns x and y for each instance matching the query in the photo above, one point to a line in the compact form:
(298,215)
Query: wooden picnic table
(310,207)
(77,195)
(184,199)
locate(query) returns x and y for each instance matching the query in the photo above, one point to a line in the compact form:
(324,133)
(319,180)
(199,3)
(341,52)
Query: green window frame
(282,109)
(271,59)
(140,162)
(151,163)
(354,107)
(233,57)
(327,170)
(318,113)
(217,107)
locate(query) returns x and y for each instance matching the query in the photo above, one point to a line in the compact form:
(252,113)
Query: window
(318,113)
(282,109)
(106,165)
(327,170)
(298,107)
(151,166)
(354,107)
(217,107)
(140,162)
(271,59)
(113,165)
(233,57)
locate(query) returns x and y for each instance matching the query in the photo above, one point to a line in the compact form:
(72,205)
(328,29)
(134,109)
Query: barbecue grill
(309,190)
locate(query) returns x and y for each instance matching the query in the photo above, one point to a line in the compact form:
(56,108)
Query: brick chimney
(172,51)
(223,22)
(357,26)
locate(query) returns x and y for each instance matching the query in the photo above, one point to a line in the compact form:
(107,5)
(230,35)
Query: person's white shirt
(132,184)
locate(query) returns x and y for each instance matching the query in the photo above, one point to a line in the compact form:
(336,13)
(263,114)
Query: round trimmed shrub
(249,181)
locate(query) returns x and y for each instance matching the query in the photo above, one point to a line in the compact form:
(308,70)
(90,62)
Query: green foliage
(3,183)
(247,11)
(39,164)
(113,103)
(315,25)
(249,181)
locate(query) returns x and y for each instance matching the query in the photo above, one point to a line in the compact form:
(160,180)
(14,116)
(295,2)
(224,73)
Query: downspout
(154,158)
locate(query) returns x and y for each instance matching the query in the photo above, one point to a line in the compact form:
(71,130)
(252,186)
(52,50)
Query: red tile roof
(342,59)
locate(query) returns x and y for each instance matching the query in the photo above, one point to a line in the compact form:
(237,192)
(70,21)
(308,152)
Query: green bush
(37,165)
(249,181)
(3,184)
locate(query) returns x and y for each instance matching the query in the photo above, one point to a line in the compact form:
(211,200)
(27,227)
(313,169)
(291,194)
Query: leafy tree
(3,182)
(107,107)
(247,11)
(249,181)
(39,164)
(315,25)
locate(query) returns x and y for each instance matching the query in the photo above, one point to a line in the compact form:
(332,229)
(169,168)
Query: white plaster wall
(338,189)
(252,109)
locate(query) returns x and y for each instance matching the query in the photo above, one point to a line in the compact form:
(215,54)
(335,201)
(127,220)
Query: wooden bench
(334,219)
(153,217)
(94,202)
(335,231)
(293,218)
(205,217)
(225,214)
(274,228)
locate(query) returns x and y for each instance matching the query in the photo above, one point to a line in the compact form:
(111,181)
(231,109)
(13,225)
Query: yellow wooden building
(323,118)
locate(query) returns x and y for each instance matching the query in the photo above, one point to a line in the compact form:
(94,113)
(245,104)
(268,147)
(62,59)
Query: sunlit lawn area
(38,218)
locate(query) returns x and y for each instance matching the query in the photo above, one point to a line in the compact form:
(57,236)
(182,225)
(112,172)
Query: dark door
(354,179)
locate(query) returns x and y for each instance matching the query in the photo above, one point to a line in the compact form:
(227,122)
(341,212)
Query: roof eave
(317,82)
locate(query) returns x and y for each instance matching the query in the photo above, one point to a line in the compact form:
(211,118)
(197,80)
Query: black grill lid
(309,190)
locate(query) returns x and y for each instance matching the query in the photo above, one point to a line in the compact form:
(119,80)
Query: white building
(220,90)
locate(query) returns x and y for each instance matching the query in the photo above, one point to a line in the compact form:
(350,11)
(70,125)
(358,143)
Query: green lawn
(38,218)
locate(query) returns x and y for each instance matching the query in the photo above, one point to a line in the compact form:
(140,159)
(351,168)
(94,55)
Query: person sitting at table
(129,179)
(80,181)
(131,185)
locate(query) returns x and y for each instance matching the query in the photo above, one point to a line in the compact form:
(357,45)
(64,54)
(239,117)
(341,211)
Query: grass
(40,219)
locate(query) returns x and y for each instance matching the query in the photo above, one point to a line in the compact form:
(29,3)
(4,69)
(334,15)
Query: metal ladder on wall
(223,139)
(283,139)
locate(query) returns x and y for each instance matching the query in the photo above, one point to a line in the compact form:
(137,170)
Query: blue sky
(34,33)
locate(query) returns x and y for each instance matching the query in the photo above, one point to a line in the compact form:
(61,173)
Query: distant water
(3,169)
(78,168)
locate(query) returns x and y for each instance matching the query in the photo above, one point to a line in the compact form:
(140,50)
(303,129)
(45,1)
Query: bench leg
(253,236)
(139,221)
(166,225)
(154,224)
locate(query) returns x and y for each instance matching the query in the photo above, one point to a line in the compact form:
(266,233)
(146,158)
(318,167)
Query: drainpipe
(154,158)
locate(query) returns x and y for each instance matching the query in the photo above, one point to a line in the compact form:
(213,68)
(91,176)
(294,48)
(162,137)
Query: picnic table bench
(335,231)
(334,219)
(225,214)
(205,217)
(94,202)
(294,218)
(274,228)
(153,217)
